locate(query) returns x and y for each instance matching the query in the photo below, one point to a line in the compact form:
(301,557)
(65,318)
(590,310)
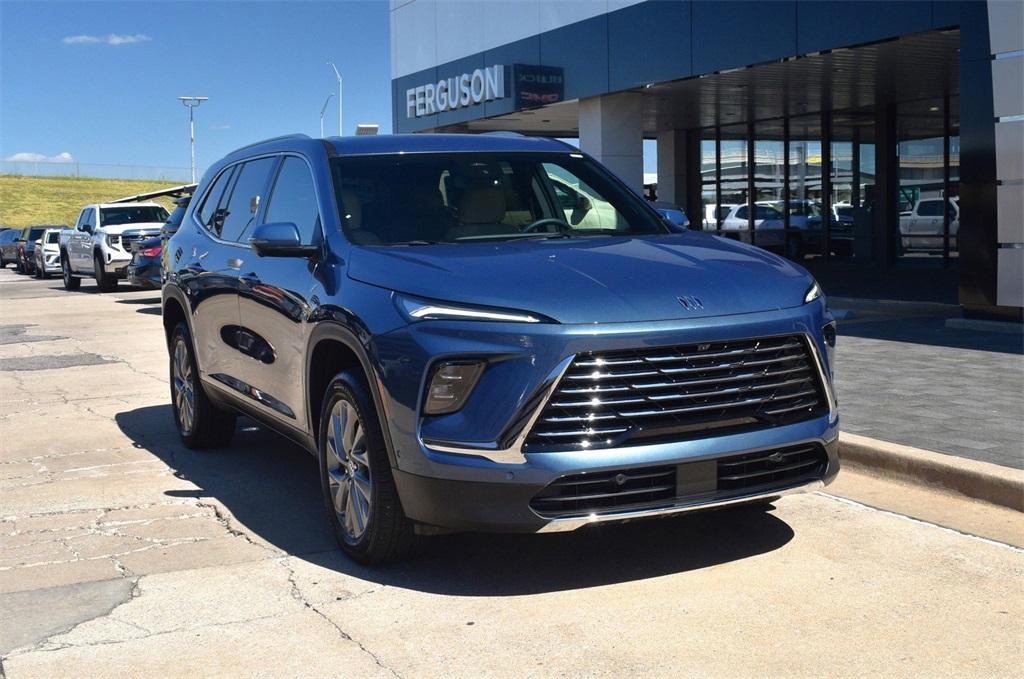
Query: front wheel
(355,476)
(104,281)
(200,423)
(71,283)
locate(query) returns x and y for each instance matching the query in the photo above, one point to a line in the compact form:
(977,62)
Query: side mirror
(280,239)
(87,228)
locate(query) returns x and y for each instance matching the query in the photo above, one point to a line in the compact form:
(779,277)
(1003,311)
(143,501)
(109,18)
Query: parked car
(713,214)
(418,313)
(147,265)
(25,261)
(921,228)
(100,244)
(47,252)
(9,246)
(673,213)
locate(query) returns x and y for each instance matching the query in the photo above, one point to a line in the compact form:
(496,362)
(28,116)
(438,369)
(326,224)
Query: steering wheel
(535,227)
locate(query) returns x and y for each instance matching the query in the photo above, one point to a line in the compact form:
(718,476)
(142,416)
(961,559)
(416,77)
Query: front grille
(674,393)
(688,483)
(583,493)
(770,468)
(128,242)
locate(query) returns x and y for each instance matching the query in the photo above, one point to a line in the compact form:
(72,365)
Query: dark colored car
(420,314)
(9,246)
(146,267)
(25,261)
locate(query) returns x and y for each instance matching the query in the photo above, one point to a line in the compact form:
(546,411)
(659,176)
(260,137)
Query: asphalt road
(124,554)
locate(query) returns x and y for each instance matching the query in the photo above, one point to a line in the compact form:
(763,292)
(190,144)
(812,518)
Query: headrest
(485,205)
(353,209)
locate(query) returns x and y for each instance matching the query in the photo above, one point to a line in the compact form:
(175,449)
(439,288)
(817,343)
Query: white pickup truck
(100,245)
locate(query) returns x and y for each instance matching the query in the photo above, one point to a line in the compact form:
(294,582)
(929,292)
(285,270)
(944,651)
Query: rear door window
(930,208)
(246,196)
(211,213)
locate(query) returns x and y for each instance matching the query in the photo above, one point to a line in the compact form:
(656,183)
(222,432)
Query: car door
(212,276)
(277,296)
(80,242)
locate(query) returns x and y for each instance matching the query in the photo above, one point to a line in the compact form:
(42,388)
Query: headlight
(113,239)
(813,293)
(423,310)
(450,386)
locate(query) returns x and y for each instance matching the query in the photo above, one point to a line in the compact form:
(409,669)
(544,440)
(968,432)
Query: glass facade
(806,186)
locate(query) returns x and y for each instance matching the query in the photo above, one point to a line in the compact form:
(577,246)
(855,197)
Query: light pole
(341,127)
(191,103)
(322,109)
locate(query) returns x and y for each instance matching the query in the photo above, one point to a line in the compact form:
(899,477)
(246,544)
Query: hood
(598,280)
(134,229)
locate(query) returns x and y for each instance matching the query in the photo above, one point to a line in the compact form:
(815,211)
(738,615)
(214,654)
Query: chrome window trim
(826,383)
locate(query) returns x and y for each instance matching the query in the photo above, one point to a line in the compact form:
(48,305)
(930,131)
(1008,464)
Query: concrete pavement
(124,554)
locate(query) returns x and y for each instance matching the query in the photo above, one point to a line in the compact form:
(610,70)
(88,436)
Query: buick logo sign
(691,303)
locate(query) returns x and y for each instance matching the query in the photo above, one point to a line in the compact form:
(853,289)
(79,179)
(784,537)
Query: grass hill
(58,200)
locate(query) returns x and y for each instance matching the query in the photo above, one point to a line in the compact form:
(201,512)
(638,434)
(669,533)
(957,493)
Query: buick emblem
(776,458)
(691,303)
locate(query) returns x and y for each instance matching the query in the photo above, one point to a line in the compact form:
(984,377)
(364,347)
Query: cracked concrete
(124,554)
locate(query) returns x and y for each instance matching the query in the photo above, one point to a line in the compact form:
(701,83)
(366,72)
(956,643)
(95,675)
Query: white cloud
(64,157)
(112,39)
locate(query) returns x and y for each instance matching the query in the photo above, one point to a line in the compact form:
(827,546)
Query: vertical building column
(884,204)
(611,130)
(679,177)
(1006,43)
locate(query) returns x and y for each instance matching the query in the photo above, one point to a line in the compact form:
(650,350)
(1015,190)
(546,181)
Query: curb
(979,480)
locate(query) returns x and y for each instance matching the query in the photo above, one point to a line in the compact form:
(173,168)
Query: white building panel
(427,33)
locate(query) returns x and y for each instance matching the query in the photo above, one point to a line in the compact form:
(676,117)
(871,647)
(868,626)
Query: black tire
(104,281)
(207,426)
(71,283)
(37,272)
(3,264)
(387,534)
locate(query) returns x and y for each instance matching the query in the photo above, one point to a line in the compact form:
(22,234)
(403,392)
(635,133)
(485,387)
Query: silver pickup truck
(100,245)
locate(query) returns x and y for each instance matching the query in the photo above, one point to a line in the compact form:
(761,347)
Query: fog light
(829,334)
(451,385)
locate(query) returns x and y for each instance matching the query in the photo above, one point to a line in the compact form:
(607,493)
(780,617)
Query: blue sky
(100,80)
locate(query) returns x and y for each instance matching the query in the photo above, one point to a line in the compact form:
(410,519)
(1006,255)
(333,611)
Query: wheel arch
(332,347)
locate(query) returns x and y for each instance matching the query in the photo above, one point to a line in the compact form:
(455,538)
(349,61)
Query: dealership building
(886,139)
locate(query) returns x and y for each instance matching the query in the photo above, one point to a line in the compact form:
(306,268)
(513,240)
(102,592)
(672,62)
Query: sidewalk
(903,377)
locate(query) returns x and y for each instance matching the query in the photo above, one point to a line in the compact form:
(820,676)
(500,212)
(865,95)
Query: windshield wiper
(419,242)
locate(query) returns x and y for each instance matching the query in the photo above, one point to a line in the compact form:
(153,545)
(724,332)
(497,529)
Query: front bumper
(469,470)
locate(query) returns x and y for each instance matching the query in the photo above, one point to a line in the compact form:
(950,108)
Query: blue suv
(490,332)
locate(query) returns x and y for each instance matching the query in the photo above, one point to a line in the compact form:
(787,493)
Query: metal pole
(341,124)
(192,140)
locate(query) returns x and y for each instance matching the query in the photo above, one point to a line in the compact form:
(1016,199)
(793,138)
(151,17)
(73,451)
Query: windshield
(139,214)
(53,237)
(461,197)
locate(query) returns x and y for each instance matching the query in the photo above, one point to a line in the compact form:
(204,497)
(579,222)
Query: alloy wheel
(184,387)
(348,469)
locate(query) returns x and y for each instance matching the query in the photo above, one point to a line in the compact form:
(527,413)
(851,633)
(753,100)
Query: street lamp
(191,103)
(322,109)
(341,127)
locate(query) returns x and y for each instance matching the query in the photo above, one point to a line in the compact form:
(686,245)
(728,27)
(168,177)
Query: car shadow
(150,310)
(270,485)
(138,300)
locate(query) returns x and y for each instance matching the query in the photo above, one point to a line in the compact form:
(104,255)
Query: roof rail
(502,133)
(267,141)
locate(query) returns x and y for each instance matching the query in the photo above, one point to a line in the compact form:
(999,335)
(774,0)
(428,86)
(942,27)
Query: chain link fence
(44,168)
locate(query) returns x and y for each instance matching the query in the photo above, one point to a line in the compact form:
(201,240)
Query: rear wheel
(70,282)
(2,262)
(104,281)
(200,423)
(355,475)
